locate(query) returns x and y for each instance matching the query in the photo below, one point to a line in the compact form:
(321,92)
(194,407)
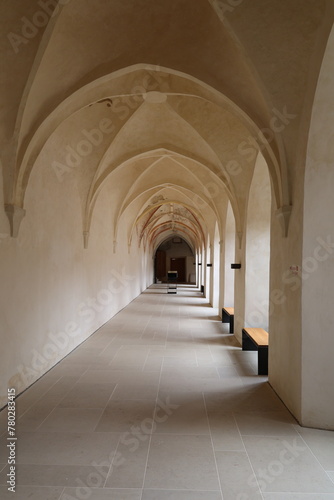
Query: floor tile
(178,385)
(37,391)
(121,416)
(57,448)
(189,417)
(62,387)
(170,362)
(101,494)
(236,475)
(80,356)
(35,416)
(65,368)
(321,443)
(279,423)
(224,431)
(228,372)
(181,462)
(55,475)
(88,395)
(194,372)
(99,375)
(286,465)
(298,496)
(129,359)
(71,420)
(153,363)
(181,352)
(31,493)
(239,398)
(180,495)
(136,389)
(110,352)
(89,349)
(129,465)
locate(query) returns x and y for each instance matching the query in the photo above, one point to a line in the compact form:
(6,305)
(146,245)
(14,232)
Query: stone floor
(161,403)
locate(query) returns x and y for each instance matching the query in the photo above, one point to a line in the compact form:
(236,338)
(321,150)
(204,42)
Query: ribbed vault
(215,104)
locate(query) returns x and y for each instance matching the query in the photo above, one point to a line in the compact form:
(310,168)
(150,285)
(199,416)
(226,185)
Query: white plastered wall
(258,248)
(251,281)
(54,294)
(229,258)
(215,269)
(208,272)
(318,257)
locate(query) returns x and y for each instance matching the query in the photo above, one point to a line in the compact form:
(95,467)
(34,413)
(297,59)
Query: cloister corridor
(146,141)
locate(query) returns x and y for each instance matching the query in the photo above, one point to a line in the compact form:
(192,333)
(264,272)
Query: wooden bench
(228,317)
(172,288)
(257,339)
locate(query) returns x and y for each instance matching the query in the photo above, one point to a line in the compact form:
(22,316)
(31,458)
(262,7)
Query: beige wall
(317,275)
(53,293)
(285,306)
(257,257)
(229,241)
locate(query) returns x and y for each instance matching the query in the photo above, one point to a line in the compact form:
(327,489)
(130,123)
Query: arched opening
(229,258)
(175,254)
(200,269)
(258,248)
(207,270)
(215,269)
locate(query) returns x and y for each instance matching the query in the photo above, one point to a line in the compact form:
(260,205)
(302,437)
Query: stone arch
(215,269)
(257,255)
(229,258)
(83,97)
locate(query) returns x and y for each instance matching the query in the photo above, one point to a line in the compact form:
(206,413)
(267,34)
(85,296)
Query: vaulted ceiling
(164,104)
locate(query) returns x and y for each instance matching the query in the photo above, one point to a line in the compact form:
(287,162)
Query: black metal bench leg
(232,323)
(247,343)
(262,361)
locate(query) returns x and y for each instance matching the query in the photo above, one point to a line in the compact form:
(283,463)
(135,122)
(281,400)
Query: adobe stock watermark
(59,342)
(277,124)
(293,279)
(92,139)
(275,468)
(249,149)
(131,440)
(30,27)
(120,107)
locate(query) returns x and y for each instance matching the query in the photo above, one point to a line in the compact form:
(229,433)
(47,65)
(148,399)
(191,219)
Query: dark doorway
(179,264)
(174,254)
(160,265)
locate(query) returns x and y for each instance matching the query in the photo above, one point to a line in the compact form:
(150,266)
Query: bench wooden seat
(257,339)
(229,310)
(228,317)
